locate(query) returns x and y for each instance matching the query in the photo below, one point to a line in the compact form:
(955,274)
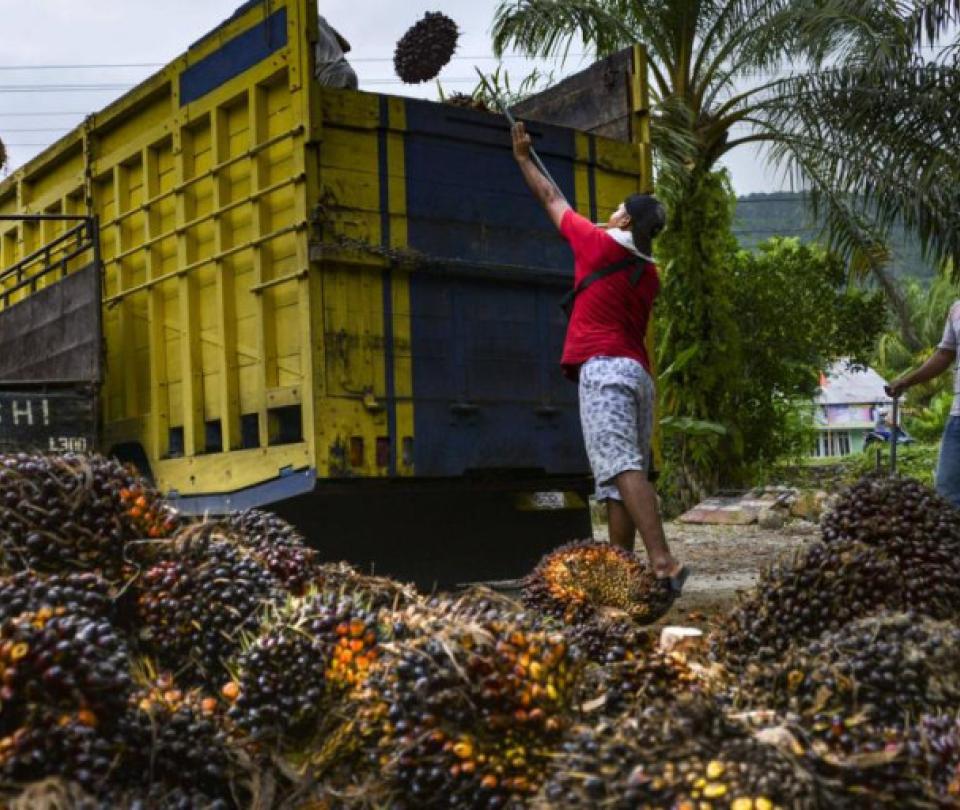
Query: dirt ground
(723,561)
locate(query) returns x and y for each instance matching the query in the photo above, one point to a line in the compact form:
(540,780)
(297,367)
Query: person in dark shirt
(615,284)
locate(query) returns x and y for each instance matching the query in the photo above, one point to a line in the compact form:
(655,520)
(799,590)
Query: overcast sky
(146,35)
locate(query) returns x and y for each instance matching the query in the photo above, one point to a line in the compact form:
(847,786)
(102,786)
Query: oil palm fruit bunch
(80,594)
(426,48)
(603,640)
(580,579)
(71,511)
(853,693)
(887,666)
(471,706)
(52,662)
(176,739)
(68,747)
(678,753)
(193,604)
(884,511)
(297,671)
(822,588)
(617,687)
(915,525)
(277,545)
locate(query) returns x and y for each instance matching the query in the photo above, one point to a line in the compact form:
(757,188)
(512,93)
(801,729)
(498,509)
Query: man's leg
(640,504)
(623,532)
(948,468)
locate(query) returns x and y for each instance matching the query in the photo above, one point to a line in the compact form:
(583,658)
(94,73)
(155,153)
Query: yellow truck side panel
(254,316)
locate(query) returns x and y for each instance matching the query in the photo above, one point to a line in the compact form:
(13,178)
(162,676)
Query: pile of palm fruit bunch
(888,545)
(855,699)
(101,581)
(152,661)
(851,649)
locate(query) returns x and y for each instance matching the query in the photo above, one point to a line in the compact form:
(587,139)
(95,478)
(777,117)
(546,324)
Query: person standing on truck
(946,356)
(615,284)
(333,69)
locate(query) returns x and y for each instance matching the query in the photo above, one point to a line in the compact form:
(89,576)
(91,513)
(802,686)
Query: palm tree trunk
(898,303)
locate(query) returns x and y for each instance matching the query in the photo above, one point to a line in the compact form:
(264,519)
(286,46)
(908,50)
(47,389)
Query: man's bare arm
(545,191)
(938,362)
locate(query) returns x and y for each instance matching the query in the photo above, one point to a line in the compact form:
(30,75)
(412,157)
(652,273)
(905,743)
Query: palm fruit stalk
(581,579)
(375,592)
(426,48)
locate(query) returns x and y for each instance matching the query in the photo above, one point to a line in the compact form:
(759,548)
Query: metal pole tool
(894,431)
(513,121)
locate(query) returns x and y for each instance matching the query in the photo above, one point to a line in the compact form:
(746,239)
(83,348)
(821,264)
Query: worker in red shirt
(615,284)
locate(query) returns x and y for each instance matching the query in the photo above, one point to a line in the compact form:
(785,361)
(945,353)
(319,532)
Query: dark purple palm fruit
(426,48)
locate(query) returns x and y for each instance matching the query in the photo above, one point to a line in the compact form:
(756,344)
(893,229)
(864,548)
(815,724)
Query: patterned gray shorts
(616,412)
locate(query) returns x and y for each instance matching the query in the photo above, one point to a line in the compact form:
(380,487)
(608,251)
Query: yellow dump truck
(340,304)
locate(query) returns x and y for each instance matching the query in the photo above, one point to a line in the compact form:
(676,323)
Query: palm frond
(549,28)
(929,20)
(883,136)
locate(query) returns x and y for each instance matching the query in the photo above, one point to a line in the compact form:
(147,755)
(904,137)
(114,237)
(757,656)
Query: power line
(357,59)
(39,114)
(63,88)
(57,129)
(83,67)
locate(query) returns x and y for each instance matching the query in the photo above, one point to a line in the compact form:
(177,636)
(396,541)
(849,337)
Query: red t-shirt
(610,316)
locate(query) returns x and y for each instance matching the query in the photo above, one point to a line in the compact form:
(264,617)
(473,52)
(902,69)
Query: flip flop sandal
(678,580)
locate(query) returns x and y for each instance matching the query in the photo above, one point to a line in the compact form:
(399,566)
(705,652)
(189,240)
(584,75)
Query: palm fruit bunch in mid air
(581,579)
(426,48)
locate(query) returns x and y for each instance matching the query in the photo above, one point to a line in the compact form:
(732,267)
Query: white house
(847,408)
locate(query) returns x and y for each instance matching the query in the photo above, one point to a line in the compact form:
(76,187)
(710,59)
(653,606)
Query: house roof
(845,386)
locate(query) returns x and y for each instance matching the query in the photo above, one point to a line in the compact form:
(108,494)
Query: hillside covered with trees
(762,216)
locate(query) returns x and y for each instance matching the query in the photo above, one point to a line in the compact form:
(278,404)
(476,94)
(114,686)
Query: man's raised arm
(546,192)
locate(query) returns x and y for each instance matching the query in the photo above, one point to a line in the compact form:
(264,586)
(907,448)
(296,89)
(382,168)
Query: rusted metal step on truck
(339,305)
